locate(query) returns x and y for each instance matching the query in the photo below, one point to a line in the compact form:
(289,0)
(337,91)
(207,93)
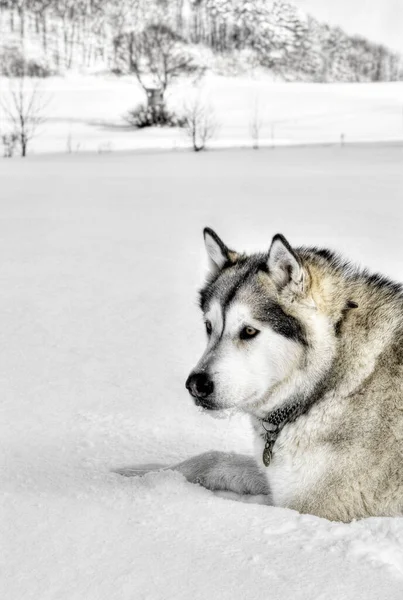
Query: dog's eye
(248,332)
(208,327)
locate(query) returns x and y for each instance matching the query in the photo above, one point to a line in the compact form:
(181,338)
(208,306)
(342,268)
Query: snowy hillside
(87,113)
(101,257)
(46,37)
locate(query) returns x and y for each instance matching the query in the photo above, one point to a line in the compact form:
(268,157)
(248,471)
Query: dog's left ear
(217,251)
(285,267)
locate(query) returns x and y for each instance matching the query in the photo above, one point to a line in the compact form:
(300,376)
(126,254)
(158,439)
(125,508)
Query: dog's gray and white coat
(301,331)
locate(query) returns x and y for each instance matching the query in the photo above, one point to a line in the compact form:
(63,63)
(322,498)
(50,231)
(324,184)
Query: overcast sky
(379,20)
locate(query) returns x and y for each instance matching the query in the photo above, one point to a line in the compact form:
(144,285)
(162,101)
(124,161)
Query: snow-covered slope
(101,257)
(86,113)
(48,37)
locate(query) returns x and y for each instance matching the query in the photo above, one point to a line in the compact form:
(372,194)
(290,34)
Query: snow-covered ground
(85,113)
(101,257)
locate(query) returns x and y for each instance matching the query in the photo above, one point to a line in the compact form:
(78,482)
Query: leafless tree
(158,56)
(256,124)
(24,108)
(200,123)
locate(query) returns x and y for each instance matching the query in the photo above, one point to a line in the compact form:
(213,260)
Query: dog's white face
(245,358)
(253,344)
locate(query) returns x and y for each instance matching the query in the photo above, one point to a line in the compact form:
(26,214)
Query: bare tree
(256,124)
(25,108)
(158,56)
(200,123)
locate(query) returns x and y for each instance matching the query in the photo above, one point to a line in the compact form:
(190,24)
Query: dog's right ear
(217,251)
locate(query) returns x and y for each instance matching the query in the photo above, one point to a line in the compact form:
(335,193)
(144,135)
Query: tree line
(45,36)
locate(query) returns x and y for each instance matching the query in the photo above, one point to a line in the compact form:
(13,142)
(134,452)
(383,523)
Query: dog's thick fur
(327,336)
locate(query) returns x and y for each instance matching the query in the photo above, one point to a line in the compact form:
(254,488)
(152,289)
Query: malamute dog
(312,349)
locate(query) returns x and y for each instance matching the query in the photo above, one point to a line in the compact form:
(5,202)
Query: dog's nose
(199,385)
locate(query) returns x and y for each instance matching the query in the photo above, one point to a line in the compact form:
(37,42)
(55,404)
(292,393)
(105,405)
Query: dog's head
(258,312)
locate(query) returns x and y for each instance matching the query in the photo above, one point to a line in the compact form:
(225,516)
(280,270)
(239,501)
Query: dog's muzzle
(201,387)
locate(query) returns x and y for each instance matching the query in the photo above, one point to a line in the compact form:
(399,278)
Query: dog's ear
(217,251)
(284,265)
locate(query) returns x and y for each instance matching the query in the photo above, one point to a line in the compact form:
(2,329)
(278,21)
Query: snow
(101,256)
(85,113)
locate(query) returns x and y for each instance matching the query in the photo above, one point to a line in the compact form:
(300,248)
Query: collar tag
(267,454)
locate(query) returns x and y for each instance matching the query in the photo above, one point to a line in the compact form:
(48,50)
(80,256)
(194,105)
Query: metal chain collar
(276,420)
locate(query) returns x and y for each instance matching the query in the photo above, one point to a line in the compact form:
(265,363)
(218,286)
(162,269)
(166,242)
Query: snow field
(86,113)
(101,257)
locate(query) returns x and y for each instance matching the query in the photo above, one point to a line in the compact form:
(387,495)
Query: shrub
(151,116)
(10,142)
(13,63)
